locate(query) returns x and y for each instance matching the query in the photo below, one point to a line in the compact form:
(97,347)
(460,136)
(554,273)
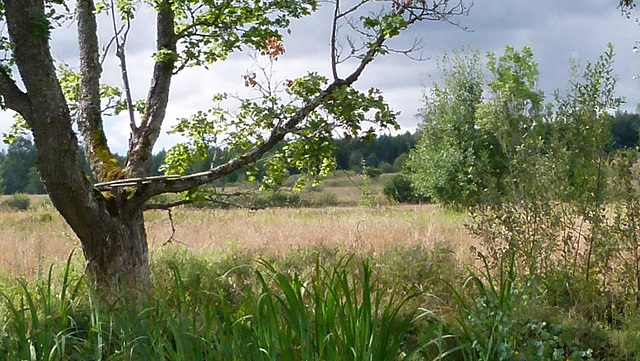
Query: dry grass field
(31,240)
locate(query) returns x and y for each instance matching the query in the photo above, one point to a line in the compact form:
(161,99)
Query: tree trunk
(118,257)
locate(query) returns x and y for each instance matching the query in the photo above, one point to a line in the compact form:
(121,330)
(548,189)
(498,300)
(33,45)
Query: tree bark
(103,163)
(118,255)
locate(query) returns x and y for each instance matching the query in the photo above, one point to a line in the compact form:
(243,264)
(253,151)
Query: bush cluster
(399,189)
(19,202)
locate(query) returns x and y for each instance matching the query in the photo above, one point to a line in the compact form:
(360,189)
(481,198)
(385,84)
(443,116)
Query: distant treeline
(387,153)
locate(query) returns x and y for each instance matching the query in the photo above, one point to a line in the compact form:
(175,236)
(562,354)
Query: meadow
(351,282)
(32,239)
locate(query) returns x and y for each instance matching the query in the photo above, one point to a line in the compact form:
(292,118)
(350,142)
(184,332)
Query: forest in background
(387,153)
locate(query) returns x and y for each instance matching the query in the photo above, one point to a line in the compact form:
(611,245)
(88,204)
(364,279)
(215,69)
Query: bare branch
(173,228)
(167,206)
(334,40)
(412,11)
(130,182)
(120,53)
(105,48)
(352,9)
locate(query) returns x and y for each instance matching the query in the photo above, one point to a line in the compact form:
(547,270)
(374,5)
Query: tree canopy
(482,138)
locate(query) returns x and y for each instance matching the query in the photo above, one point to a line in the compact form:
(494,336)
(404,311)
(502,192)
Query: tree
(624,130)
(399,189)
(19,159)
(34,184)
(108,217)
(452,158)
(522,168)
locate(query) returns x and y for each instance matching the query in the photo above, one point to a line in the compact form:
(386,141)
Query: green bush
(20,202)
(275,198)
(372,172)
(399,189)
(386,167)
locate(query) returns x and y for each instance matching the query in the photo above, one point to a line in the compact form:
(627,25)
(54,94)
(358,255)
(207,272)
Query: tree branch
(12,97)
(141,144)
(166,206)
(180,184)
(103,163)
(374,47)
(334,41)
(120,53)
(56,143)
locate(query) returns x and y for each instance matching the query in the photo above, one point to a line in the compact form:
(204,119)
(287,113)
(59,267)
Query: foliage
(399,189)
(453,158)
(323,198)
(388,149)
(275,198)
(502,317)
(17,164)
(371,172)
(625,129)
(386,167)
(309,151)
(520,167)
(20,202)
(560,203)
(379,146)
(368,199)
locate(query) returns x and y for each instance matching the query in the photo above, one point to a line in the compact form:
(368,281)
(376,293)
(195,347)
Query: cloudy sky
(557,30)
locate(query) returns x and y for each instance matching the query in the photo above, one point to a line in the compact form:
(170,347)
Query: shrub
(398,164)
(399,189)
(386,167)
(372,172)
(20,202)
(275,198)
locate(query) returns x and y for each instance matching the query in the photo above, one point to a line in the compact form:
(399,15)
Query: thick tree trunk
(119,257)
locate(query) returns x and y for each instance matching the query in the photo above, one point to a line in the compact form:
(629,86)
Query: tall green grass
(310,305)
(502,316)
(255,311)
(38,322)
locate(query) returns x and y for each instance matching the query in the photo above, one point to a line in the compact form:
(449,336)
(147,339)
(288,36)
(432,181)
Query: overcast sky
(557,30)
